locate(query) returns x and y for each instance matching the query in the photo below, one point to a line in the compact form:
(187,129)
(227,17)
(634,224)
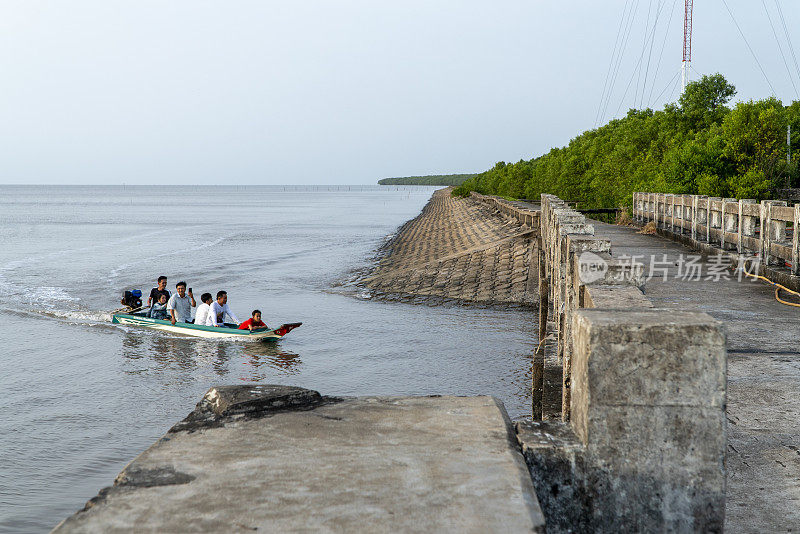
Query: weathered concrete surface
(461,249)
(377,464)
(645,447)
(556,458)
(763,456)
(649,405)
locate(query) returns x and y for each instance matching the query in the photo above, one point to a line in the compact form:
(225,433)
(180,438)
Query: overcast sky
(343,92)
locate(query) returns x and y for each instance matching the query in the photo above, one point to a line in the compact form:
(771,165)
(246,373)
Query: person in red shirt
(253,322)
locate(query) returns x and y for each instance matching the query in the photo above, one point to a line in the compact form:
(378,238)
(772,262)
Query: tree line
(698,145)
(433,179)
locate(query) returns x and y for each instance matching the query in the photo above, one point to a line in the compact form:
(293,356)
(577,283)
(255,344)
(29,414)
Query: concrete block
(648,403)
(614,297)
(555,458)
(600,268)
(679,444)
(581,491)
(646,358)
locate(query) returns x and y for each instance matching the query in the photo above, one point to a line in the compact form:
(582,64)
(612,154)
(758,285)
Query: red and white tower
(687,44)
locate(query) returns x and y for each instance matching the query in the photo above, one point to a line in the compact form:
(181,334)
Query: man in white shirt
(179,305)
(205,307)
(218,310)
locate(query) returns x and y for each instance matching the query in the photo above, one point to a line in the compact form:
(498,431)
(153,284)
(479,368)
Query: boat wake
(83,317)
(46,301)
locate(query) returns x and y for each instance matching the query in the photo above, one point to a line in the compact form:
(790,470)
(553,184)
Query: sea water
(82,397)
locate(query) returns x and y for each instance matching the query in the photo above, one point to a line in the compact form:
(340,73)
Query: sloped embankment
(458,248)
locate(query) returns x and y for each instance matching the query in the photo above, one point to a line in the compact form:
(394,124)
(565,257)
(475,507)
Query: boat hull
(228,331)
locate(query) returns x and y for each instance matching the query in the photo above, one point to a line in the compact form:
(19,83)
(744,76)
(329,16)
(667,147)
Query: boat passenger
(201,316)
(159,309)
(179,305)
(218,310)
(156,292)
(253,322)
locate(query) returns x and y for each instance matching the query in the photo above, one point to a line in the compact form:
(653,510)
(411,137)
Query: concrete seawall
(641,445)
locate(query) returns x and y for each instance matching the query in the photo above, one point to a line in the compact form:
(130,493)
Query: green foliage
(435,179)
(696,146)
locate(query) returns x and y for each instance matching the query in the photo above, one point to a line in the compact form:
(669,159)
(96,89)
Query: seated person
(203,310)
(159,309)
(218,310)
(253,322)
(179,305)
(156,292)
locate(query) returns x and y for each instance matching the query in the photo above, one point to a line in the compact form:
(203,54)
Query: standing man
(218,310)
(156,292)
(180,304)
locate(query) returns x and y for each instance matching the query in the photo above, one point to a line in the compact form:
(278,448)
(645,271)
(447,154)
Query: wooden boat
(229,331)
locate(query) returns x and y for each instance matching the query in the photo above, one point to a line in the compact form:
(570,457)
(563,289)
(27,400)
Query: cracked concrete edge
(223,404)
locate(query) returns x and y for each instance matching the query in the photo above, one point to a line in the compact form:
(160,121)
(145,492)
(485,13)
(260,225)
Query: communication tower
(687,44)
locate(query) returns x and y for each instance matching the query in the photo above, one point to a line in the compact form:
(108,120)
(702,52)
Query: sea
(82,397)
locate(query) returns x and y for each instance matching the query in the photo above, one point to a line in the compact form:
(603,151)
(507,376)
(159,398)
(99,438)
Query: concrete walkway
(763,459)
(283,459)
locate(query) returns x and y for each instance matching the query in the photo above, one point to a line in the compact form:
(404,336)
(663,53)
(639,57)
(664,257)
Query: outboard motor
(132,299)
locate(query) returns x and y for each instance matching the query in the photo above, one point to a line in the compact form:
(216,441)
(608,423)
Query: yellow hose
(778,287)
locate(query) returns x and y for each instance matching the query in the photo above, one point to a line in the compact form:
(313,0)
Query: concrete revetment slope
(284,459)
(479,249)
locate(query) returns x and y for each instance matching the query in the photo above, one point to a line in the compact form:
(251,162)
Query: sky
(347,92)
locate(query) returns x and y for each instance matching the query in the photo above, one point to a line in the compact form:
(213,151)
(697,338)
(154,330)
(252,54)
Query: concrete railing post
(643,211)
(763,231)
(695,216)
(796,241)
(710,217)
(702,215)
(652,213)
(657,210)
(777,227)
(770,229)
(729,219)
(672,213)
(640,206)
(747,224)
(655,441)
(685,210)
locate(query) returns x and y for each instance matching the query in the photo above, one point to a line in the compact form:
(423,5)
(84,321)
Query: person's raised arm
(227,310)
(191,298)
